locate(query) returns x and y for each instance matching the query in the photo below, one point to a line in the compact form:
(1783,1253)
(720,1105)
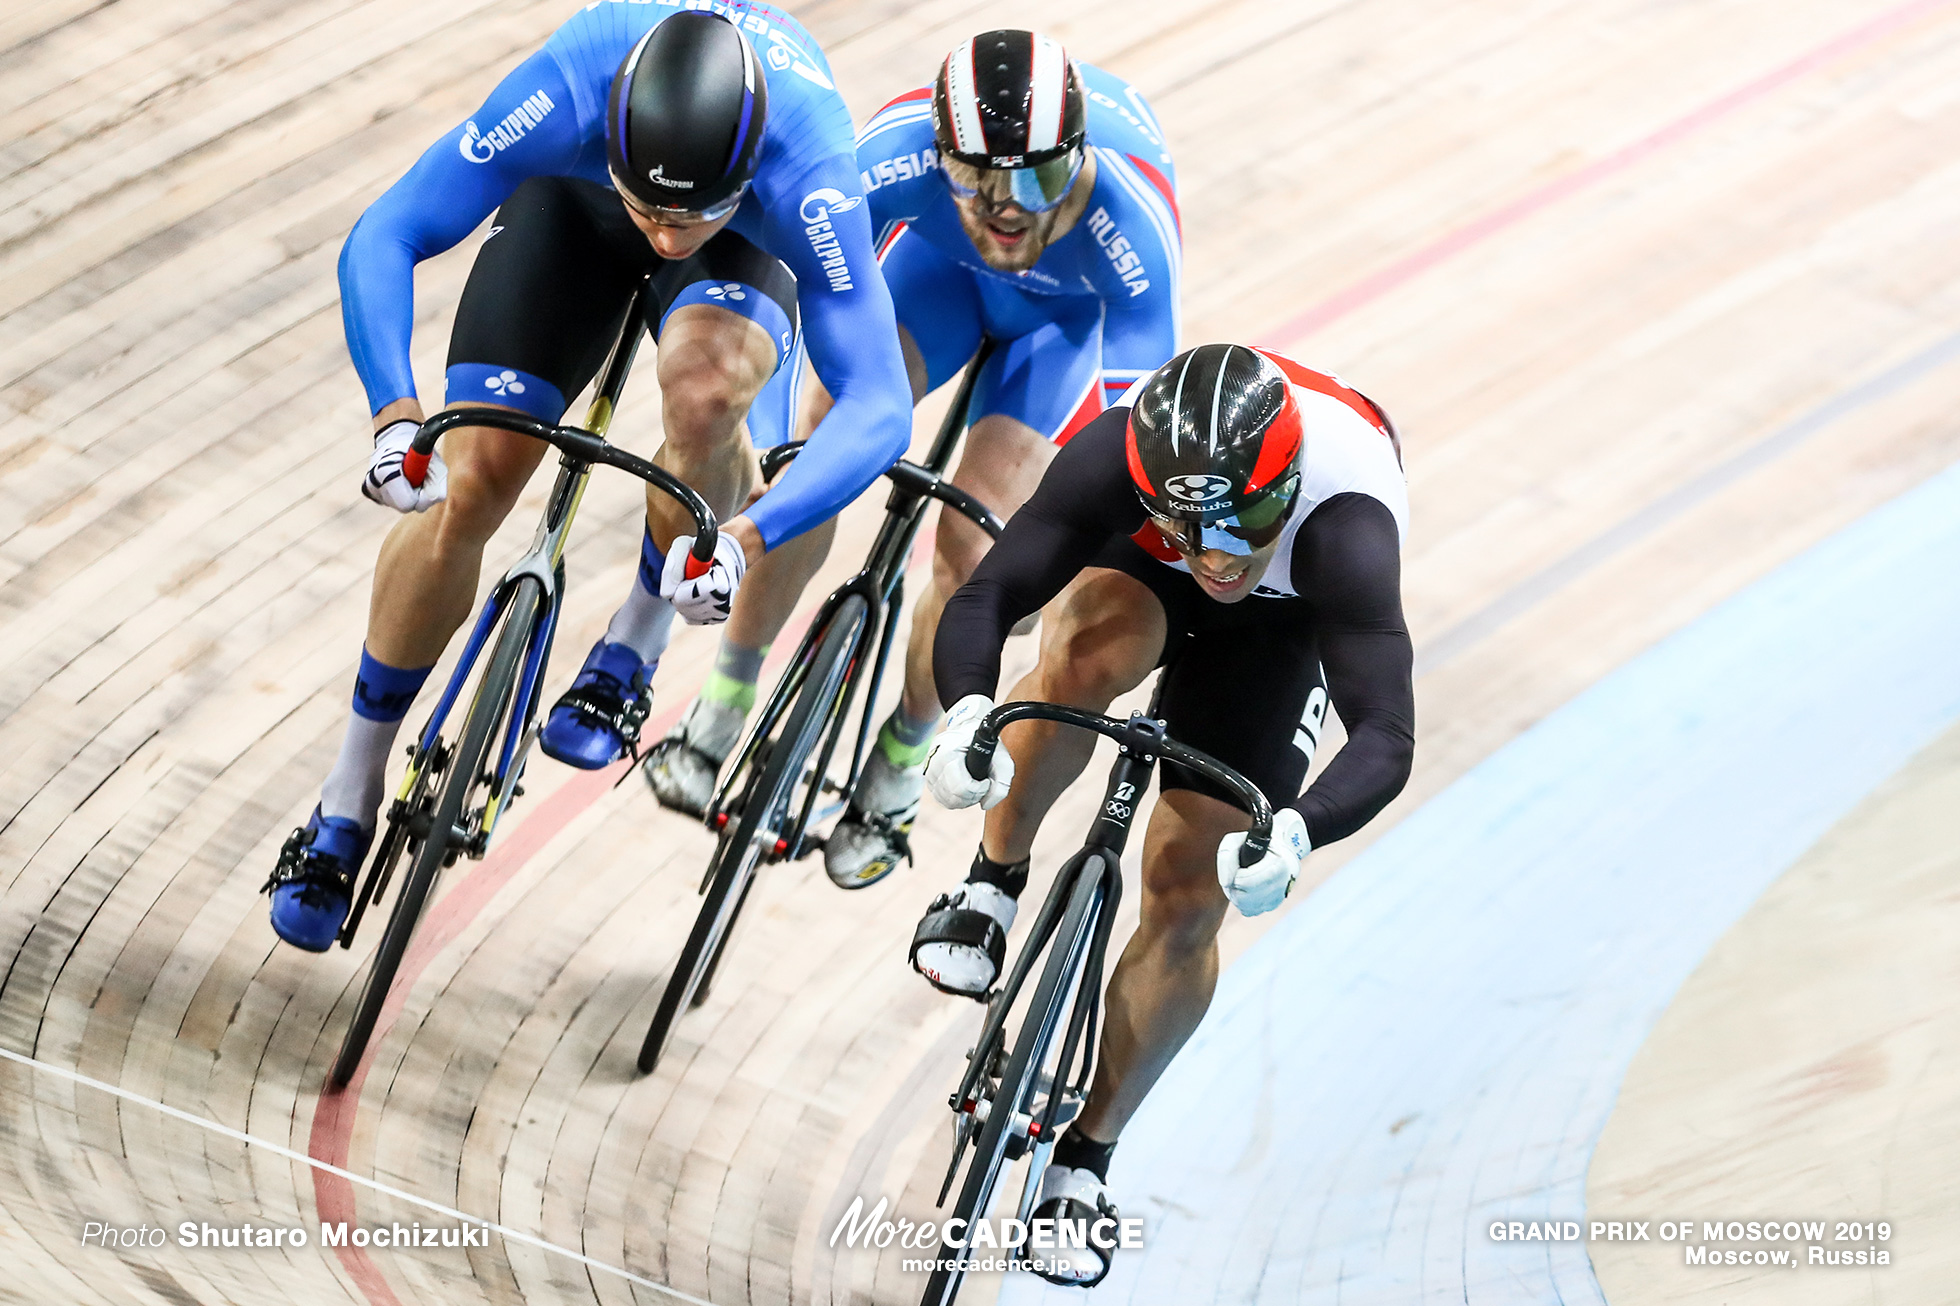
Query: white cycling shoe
(683,767)
(962,941)
(1078,1198)
(871,838)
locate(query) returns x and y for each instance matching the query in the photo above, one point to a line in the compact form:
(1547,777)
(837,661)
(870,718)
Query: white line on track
(503,1231)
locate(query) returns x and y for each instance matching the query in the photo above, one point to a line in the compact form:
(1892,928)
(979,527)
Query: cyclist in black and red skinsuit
(1238,520)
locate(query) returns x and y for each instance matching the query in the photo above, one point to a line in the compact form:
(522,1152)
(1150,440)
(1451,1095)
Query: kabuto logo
(815,210)
(1197,488)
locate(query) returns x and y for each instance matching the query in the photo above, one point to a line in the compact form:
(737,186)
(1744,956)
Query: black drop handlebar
(907,476)
(578,443)
(1140,734)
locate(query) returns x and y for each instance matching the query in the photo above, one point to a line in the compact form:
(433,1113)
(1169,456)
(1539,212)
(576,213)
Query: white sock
(355,786)
(643,623)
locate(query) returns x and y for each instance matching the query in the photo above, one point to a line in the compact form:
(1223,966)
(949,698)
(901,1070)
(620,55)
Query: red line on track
(333,1115)
(1475,232)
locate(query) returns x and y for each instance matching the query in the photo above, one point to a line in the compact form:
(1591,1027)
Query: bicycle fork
(1101,855)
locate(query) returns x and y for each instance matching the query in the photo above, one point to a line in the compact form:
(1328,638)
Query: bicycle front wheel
(753,837)
(1013,1102)
(494,694)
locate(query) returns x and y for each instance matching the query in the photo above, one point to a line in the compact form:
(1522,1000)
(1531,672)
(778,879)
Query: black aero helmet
(1214,443)
(685,118)
(1009,102)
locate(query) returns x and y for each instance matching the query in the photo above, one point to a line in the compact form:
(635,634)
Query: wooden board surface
(1805,1074)
(1658,294)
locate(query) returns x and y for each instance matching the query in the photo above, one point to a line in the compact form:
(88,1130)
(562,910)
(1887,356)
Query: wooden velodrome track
(1655,292)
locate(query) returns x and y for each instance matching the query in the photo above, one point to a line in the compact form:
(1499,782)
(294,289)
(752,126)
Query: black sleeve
(1083,500)
(1347,562)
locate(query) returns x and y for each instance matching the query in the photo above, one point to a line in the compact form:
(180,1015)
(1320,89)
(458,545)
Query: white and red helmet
(1007,99)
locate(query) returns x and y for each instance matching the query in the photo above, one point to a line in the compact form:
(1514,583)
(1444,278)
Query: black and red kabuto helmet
(1214,444)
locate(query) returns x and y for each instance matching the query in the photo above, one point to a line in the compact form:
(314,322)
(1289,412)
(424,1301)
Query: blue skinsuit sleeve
(437,202)
(852,337)
(1140,331)
(1139,336)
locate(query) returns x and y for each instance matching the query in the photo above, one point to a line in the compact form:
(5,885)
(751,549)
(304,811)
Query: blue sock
(644,622)
(382,697)
(384,693)
(652,563)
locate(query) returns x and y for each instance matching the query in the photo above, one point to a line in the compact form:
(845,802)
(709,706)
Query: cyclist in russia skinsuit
(1240,523)
(709,151)
(1024,197)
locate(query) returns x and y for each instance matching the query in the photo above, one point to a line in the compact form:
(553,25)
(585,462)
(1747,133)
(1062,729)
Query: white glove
(946,773)
(1262,886)
(384,482)
(707,599)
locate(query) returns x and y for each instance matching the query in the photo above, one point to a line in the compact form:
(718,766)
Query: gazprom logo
(1197,488)
(479,146)
(816,211)
(824,201)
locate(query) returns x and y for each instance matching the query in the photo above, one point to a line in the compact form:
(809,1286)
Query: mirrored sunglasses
(676,217)
(1037,188)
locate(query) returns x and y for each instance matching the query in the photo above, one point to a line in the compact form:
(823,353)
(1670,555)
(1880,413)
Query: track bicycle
(453,796)
(768,797)
(1015,1099)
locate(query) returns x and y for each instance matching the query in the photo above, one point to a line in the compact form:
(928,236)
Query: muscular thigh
(1046,373)
(1100,637)
(543,302)
(937,304)
(489,468)
(730,309)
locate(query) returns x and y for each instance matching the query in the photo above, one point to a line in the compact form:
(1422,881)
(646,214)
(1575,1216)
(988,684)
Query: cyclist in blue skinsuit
(709,150)
(1027,198)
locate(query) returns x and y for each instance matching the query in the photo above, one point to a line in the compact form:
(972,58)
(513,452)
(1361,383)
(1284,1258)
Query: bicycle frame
(881,583)
(580,449)
(1008,1106)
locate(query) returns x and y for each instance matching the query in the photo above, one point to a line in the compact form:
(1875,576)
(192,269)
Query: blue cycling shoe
(313,885)
(599,717)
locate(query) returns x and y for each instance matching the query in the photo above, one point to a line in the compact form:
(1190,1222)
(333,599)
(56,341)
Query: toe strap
(598,702)
(1073,1211)
(948,924)
(297,865)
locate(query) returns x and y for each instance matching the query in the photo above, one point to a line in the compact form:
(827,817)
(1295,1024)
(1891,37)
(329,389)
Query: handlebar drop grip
(415,467)
(1253,849)
(980,754)
(700,554)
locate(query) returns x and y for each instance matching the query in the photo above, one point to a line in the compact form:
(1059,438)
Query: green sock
(732,682)
(905,742)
